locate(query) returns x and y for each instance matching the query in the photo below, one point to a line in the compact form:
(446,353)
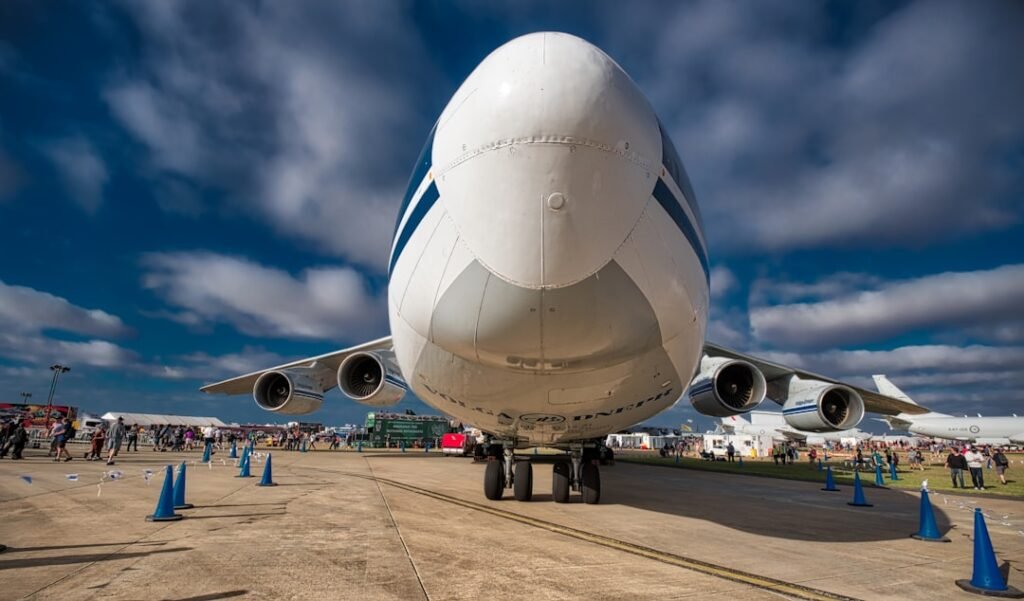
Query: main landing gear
(579,473)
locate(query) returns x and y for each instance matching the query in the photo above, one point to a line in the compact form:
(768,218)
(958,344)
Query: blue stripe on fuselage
(427,201)
(668,201)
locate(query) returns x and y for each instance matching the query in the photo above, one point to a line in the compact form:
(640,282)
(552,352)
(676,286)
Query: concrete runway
(378,525)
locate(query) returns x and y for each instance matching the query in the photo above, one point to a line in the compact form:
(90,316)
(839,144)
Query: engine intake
(369,378)
(726,387)
(295,391)
(815,406)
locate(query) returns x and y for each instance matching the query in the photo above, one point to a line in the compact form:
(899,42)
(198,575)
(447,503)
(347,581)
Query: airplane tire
(523,483)
(494,480)
(590,484)
(560,482)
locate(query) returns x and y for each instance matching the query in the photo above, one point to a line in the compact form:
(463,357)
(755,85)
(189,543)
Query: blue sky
(191,190)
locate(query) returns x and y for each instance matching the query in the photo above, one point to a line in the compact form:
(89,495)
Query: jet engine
(726,387)
(293,391)
(370,379)
(814,406)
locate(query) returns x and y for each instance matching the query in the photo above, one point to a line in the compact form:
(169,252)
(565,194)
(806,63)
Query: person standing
(730,452)
(1002,464)
(956,464)
(59,433)
(976,463)
(133,437)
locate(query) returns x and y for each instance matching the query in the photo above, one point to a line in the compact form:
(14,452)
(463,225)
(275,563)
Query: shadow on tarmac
(770,507)
(235,515)
(32,562)
(212,596)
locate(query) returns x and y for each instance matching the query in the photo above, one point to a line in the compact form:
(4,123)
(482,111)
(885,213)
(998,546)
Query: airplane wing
(873,401)
(244,384)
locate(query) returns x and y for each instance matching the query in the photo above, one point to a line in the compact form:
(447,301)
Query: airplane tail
(901,421)
(729,424)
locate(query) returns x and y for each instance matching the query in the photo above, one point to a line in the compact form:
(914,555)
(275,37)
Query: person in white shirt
(975,462)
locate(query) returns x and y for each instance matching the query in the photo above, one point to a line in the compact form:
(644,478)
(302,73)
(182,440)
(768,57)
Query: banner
(34,416)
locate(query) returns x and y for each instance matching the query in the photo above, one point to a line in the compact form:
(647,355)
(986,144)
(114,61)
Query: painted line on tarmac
(796,591)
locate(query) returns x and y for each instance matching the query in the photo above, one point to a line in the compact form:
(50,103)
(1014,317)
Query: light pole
(25,396)
(57,369)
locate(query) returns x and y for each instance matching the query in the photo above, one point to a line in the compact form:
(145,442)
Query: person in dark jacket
(1002,464)
(957,466)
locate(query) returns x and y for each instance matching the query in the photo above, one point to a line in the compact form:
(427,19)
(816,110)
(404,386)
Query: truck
(393,429)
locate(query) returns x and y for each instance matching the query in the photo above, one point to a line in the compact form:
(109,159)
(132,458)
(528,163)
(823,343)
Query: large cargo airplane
(980,430)
(772,423)
(548,280)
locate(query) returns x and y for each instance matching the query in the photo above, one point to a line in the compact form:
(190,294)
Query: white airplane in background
(548,280)
(771,423)
(979,430)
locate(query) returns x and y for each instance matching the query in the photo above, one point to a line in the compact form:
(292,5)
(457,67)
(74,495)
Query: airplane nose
(545,159)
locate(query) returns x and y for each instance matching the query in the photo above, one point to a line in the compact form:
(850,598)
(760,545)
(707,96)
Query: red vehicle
(456,443)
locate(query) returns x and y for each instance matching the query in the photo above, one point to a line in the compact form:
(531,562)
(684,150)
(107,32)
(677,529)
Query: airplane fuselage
(994,430)
(548,277)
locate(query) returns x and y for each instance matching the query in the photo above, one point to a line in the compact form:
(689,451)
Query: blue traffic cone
(244,472)
(234,451)
(927,529)
(179,490)
(830,484)
(165,506)
(986,579)
(359,446)
(892,472)
(267,479)
(879,481)
(858,493)
(206,453)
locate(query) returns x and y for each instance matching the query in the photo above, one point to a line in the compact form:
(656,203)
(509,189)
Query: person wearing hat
(114,438)
(975,462)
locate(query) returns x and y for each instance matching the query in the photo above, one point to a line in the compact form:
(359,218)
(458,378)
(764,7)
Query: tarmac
(388,525)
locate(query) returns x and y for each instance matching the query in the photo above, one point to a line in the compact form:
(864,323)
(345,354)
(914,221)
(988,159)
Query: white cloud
(321,303)
(722,281)
(897,137)
(41,350)
(24,309)
(936,301)
(905,359)
(286,109)
(203,366)
(81,168)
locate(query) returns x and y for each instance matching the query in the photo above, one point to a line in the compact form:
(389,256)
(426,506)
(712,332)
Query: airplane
(548,280)
(994,431)
(771,423)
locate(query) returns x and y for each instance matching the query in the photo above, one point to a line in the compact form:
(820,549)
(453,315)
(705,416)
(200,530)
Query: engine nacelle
(370,379)
(726,387)
(814,406)
(293,391)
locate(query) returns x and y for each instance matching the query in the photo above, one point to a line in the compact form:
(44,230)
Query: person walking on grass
(1002,464)
(976,463)
(956,464)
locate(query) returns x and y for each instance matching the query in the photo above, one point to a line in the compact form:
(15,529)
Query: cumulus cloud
(722,281)
(284,108)
(320,303)
(203,366)
(81,168)
(796,143)
(25,309)
(942,300)
(904,359)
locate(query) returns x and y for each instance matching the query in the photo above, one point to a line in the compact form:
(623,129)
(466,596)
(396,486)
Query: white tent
(149,419)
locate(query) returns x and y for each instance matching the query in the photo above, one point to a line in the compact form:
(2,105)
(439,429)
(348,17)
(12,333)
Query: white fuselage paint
(548,277)
(992,430)
(772,424)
